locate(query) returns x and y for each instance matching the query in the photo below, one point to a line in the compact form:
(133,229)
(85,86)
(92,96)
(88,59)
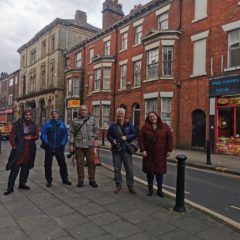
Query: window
(69,87)
(107,48)
(96,114)
(10,82)
(32,84)
(166,110)
(78,63)
(152,64)
(52,43)
(91,54)
(105,115)
(200,10)
(43,49)
(97,79)
(234,48)
(163,21)
(138,34)
(76,88)
(52,72)
(10,99)
(150,105)
(33,56)
(43,75)
(167,61)
(106,78)
(23,61)
(199,57)
(124,40)
(137,73)
(123,76)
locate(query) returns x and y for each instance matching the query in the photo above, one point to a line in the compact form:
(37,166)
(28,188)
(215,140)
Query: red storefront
(225,96)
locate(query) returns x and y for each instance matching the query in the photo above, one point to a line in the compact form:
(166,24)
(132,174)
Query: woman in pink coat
(155,142)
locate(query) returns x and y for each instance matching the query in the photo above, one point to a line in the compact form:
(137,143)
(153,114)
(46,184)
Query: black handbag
(43,145)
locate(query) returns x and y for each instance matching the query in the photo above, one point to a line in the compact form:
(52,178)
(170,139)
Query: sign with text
(224,86)
(73,103)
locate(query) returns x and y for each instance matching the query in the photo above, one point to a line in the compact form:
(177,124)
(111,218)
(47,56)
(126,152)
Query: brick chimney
(80,17)
(112,13)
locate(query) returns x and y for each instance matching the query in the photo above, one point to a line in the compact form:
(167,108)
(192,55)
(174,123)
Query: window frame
(163,21)
(154,63)
(167,61)
(123,76)
(137,73)
(97,79)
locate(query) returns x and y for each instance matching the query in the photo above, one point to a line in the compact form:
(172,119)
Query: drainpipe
(115,74)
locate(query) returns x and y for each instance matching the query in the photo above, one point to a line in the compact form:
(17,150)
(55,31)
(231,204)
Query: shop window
(225,124)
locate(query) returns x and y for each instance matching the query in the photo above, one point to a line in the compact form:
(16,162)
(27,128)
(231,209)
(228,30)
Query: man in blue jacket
(120,133)
(54,137)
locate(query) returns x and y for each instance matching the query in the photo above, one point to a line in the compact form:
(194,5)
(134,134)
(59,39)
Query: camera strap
(75,134)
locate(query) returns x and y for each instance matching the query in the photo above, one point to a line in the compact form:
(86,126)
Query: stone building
(42,65)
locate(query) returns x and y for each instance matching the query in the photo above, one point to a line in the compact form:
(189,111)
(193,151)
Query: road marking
(173,188)
(238,208)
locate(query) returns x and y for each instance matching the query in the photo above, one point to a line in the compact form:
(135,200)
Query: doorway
(198,130)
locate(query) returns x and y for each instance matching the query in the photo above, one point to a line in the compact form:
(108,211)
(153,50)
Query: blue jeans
(126,158)
(159,179)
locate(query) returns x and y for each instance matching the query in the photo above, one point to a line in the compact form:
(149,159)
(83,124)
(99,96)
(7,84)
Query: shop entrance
(198,130)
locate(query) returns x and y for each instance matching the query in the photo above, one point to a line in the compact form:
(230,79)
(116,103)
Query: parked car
(5,130)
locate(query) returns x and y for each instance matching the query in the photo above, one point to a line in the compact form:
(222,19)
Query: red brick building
(163,56)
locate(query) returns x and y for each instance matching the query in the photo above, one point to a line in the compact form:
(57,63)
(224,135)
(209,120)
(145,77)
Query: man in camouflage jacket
(83,133)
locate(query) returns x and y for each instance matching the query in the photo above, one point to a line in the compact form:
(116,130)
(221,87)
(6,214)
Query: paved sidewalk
(67,212)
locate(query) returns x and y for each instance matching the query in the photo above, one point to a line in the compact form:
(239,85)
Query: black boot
(9,191)
(150,190)
(160,192)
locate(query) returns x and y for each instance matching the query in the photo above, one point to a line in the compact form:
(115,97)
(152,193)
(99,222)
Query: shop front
(224,96)
(71,111)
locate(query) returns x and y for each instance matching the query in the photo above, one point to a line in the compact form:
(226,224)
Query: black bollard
(208,162)
(103,138)
(179,205)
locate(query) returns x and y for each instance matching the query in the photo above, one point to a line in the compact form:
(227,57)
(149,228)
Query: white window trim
(167,42)
(97,66)
(150,95)
(105,102)
(166,94)
(152,45)
(162,10)
(137,58)
(202,17)
(108,38)
(123,30)
(231,26)
(123,62)
(106,64)
(139,22)
(199,36)
(96,103)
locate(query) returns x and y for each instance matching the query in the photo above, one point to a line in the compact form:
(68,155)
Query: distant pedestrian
(23,135)
(83,134)
(155,142)
(54,137)
(120,133)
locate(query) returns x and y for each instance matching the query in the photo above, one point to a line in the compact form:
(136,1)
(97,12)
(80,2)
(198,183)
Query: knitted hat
(55,110)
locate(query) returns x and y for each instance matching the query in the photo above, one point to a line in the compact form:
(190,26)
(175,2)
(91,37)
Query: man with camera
(120,134)
(83,134)
(54,138)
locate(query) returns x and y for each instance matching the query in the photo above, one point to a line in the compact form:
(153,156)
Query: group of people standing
(155,143)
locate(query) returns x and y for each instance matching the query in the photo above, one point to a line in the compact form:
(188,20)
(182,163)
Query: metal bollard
(208,162)
(103,138)
(179,205)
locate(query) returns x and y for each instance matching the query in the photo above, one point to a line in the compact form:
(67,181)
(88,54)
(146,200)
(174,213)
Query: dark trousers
(14,173)
(61,162)
(159,179)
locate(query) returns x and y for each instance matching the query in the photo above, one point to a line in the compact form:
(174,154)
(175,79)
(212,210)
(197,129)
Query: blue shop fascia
(224,114)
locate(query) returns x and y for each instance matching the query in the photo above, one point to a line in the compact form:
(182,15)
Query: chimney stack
(112,13)
(80,17)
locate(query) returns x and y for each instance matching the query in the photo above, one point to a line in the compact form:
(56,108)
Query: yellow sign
(73,103)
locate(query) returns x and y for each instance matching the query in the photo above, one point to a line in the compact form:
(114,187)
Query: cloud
(20,20)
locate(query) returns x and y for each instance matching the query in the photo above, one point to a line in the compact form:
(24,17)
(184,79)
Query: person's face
(83,111)
(152,118)
(120,117)
(27,116)
(55,116)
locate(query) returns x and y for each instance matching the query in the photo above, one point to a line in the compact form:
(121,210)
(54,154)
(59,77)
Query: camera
(70,154)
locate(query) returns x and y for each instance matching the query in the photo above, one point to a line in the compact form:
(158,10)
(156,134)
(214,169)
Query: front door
(198,130)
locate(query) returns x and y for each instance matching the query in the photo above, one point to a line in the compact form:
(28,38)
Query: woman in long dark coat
(155,143)
(22,138)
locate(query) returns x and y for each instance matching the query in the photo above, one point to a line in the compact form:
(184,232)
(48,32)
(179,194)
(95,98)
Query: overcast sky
(20,20)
